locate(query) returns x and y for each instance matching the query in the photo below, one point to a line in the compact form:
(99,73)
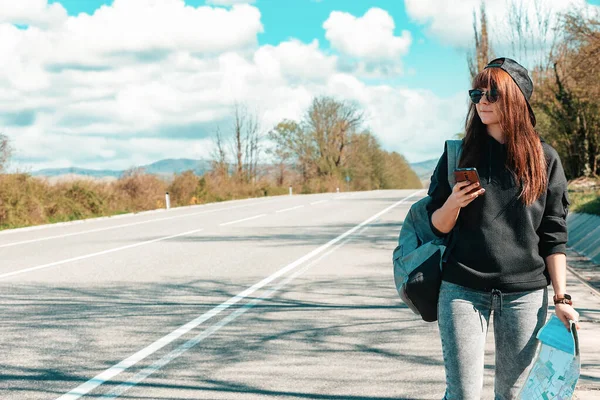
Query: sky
(112,84)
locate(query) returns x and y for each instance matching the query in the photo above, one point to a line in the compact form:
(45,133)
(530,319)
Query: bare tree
(533,33)
(246,143)
(219,156)
(483,52)
(5,152)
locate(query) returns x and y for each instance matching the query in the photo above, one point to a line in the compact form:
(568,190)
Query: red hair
(525,156)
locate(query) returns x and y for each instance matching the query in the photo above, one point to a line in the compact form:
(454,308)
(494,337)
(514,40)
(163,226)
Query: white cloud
(451,21)
(368,37)
(228,2)
(32,12)
(126,91)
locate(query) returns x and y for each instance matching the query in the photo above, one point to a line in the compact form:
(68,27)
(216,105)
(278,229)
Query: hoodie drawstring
(489,162)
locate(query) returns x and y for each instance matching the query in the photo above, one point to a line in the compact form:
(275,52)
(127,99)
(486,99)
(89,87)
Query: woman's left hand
(565,313)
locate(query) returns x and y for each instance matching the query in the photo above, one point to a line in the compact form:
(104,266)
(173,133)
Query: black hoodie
(501,243)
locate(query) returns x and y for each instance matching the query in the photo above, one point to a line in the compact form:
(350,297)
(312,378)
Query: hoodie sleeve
(439,190)
(553,227)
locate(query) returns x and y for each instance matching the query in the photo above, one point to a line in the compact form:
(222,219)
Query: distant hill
(424,169)
(162,167)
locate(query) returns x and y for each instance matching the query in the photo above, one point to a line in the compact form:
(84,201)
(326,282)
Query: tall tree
(482,53)
(246,143)
(330,123)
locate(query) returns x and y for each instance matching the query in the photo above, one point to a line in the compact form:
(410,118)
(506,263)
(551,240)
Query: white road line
(289,209)
(146,372)
(242,220)
(53,264)
(115,370)
(318,202)
(127,225)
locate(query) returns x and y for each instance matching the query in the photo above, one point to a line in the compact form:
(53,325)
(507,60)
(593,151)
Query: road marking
(115,370)
(289,209)
(53,264)
(146,372)
(318,202)
(126,225)
(242,220)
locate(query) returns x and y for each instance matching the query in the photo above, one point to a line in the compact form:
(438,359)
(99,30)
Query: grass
(584,194)
(587,202)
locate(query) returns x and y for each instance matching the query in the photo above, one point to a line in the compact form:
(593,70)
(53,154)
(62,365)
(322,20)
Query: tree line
(328,148)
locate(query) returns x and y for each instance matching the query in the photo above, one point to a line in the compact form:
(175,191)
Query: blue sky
(136,81)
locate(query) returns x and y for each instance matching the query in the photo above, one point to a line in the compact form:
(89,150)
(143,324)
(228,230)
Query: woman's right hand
(460,196)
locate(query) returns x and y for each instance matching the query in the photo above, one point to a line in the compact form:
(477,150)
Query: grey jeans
(463,318)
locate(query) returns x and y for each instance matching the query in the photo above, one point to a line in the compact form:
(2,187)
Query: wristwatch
(562,299)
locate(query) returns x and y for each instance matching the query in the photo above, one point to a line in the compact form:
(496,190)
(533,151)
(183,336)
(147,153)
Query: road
(288,297)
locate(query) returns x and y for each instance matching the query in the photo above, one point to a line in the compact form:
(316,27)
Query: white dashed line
(289,209)
(242,220)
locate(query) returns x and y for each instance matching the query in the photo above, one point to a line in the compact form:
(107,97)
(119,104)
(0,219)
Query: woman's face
(488,112)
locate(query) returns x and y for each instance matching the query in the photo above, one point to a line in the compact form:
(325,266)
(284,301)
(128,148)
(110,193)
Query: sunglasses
(492,96)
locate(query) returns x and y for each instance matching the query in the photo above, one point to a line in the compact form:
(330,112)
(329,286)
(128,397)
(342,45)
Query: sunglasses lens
(493,96)
(475,95)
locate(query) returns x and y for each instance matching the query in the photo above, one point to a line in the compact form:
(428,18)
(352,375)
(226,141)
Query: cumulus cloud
(367,44)
(126,92)
(370,36)
(32,12)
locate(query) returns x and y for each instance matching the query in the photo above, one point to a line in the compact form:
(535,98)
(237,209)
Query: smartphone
(468,174)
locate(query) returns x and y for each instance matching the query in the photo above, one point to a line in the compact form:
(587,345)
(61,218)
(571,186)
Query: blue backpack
(420,254)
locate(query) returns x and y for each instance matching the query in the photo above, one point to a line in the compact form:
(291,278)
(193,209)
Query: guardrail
(584,235)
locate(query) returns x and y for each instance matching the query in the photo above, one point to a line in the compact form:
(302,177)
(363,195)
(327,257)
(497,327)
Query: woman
(509,240)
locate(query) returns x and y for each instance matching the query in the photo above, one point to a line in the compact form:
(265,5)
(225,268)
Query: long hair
(525,156)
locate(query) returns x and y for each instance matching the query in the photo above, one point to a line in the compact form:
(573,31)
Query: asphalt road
(288,297)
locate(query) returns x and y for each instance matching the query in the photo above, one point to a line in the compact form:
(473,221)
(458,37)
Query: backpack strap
(454,150)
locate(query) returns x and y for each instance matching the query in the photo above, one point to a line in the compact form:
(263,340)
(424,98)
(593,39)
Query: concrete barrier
(584,235)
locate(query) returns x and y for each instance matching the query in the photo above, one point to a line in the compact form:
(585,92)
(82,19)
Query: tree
(5,152)
(220,165)
(483,52)
(246,143)
(293,146)
(569,97)
(330,123)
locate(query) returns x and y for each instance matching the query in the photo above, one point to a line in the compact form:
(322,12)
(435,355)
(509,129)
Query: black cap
(519,74)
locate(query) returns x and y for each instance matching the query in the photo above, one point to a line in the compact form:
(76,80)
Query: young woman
(510,237)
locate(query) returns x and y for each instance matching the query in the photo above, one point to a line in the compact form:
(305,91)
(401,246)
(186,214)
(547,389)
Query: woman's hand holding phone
(463,194)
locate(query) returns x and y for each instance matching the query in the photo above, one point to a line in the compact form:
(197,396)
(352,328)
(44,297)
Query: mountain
(162,167)
(424,169)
